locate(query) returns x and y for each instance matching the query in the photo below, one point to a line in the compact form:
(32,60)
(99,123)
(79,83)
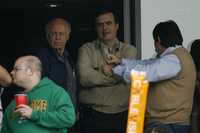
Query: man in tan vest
(172,76)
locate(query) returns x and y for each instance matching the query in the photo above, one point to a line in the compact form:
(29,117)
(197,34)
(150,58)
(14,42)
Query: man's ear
(160,43)
(159,39)
(117,26)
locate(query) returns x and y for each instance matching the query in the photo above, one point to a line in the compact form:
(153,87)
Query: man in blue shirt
(172,76)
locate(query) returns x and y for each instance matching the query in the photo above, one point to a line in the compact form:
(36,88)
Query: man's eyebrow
(108,21)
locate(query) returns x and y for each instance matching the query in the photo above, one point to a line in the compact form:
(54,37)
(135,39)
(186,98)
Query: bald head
(32,62)
(27,71)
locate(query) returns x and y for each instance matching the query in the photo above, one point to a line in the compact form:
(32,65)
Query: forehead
(105,18)
(58,26)
(20,62)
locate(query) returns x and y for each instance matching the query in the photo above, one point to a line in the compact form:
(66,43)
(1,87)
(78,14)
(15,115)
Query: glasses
(19,68)
(51,34)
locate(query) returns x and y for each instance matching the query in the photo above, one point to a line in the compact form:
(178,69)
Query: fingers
(107,69)
(113,60)
(20,108)
(24,110)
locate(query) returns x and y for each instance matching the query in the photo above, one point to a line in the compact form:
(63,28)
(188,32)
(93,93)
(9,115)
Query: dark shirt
(195,116)
(59,69)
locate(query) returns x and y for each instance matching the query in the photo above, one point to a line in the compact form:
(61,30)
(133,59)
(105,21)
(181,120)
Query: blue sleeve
(157,69)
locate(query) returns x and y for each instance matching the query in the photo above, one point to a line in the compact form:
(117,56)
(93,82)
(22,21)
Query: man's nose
(104,26)
(11,72)
(57,36)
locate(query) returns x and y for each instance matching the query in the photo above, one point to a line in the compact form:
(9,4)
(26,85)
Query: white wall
(186,13)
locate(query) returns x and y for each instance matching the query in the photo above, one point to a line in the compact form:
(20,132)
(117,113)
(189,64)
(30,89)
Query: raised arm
(156,69)
(5,78)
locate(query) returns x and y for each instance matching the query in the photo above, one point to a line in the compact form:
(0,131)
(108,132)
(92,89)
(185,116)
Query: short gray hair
(60,20)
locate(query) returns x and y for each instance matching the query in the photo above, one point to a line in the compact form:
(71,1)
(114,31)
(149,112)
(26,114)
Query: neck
(109,43)
(31,84)
(60,51)
(162,50)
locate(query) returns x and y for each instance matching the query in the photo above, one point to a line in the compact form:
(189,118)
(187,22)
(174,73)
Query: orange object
(137,102)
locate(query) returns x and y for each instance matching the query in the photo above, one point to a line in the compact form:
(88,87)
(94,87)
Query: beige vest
(170,101)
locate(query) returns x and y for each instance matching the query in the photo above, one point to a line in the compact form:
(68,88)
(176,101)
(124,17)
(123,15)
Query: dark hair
(104,10)
(169,34)
(195,53)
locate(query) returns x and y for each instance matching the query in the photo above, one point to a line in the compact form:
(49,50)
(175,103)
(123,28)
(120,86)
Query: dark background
(23,22)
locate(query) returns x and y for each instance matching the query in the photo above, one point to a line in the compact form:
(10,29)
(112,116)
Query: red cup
(21,99)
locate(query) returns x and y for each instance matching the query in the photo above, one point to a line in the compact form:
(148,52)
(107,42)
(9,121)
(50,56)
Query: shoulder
(127,46)
(128,49)
(180,50)
(52,86)
(181,53)
(10,107)
(45,54)
(171,58)
(89,47)
(42,52)
(59,91)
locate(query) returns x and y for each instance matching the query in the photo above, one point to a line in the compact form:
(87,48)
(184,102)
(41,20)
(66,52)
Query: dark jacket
(60,70)
(195,116)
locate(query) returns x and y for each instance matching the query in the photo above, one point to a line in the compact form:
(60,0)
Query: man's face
(106,27)
(19,72)
(158,47)
(58,36)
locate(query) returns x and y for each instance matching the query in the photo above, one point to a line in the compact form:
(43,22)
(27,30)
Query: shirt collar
(169,50)
(65,54)
(115,47)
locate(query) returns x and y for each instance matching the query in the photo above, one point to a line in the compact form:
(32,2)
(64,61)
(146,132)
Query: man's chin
(58,47)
